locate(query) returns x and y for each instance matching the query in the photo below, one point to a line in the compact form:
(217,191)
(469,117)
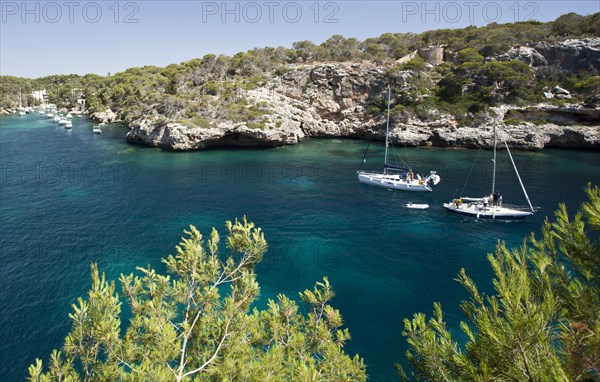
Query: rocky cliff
(331,100)
(569,55)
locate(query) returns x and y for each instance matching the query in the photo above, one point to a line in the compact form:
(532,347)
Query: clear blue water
(68,198)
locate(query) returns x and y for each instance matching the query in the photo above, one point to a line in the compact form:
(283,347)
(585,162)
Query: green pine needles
(541,324)
(195,323)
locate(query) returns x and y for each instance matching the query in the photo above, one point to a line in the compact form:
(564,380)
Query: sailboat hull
(490,212)
(393,182)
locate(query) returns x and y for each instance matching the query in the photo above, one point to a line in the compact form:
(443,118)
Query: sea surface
(69,198)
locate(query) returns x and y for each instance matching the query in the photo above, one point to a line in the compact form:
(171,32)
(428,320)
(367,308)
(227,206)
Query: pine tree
(195,323)
(542,323)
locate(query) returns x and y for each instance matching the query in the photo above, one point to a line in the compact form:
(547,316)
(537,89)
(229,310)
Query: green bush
(469,55)
(416,63)
(197,121)
(513,122)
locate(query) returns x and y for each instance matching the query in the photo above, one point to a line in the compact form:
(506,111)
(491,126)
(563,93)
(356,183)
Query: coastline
(443,133)
(525,136)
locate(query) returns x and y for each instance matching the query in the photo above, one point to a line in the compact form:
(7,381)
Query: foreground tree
(541,324)
(195,324)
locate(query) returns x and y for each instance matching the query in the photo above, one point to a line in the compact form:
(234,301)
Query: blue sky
(39,38)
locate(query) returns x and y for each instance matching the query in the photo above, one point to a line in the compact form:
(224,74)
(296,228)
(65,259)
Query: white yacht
(492,206)
(397,177)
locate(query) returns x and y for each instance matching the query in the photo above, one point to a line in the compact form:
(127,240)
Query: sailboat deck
(490,212)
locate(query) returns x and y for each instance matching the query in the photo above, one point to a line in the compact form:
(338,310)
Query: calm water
(69,198)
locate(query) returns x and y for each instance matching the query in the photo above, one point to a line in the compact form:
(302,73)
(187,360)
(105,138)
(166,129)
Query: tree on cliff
(541,324)
(195,323)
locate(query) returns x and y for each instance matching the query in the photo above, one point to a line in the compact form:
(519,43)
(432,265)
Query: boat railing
(369,172)
(518,207)
(469,199)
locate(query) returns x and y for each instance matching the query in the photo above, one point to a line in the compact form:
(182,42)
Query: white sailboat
(21,109)
(492,206)
(395,177)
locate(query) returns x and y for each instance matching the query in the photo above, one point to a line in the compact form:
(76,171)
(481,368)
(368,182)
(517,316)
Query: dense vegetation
(542,323)
(202,90)
(196,323)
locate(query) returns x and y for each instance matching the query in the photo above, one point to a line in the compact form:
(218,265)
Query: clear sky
(39,38)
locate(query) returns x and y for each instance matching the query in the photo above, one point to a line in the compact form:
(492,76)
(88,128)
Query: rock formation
(107,116)
(335,100)
(571,55)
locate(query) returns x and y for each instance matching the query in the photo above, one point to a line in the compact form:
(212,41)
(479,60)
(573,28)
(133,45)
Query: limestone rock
(107,116)
(335,100)
(573,55)
(525,54)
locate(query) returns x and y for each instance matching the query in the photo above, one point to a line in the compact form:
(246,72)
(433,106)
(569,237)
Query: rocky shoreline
(177,137)
(333,107)
(332,100)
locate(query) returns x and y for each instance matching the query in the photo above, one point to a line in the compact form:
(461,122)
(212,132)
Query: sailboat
(396,177)
(492,206)
(21,109)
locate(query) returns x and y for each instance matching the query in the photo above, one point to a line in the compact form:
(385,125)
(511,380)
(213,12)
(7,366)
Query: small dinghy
(417,206)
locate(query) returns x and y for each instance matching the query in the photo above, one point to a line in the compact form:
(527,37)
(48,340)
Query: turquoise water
(69,198)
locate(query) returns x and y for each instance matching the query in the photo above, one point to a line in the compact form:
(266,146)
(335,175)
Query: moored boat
(397,177)
(492,207)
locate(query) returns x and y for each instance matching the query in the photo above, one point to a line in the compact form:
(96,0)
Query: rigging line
(407,157)
(518,176)
(395,153)
(469,174)
(366,151)
(494,173)
(387,124)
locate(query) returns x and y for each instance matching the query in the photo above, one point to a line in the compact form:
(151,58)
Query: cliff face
(573,55)
(569,55)
(331,100)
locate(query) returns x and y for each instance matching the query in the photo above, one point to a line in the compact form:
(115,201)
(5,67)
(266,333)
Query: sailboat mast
(387,128)
(494,160)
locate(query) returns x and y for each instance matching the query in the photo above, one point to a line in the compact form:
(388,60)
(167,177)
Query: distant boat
(96,129)
(404,179)
(417,206)
(21,109)
(69,115)
(492,206)
(68,125)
